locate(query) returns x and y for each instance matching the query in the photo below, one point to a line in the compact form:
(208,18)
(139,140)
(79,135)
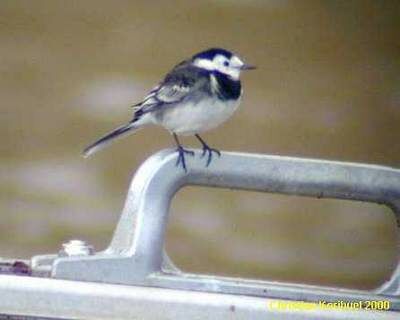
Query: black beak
(247,67)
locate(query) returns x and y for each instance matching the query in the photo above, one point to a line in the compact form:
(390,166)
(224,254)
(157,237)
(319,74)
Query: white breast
(189,118)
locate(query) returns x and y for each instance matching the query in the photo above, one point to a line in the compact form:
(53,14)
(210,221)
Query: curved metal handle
(158,179)
(139,235)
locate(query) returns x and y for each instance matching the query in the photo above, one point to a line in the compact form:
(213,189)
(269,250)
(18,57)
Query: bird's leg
(208,150)
(181,153)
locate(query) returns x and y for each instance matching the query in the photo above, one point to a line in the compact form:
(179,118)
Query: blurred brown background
(328,86)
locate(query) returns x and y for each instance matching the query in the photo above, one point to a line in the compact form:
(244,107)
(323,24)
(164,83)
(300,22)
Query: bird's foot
(209,151)
(181,156)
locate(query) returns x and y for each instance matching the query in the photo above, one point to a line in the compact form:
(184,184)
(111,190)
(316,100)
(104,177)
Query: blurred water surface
(327,86)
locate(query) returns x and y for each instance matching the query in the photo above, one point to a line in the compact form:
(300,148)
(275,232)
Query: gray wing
(177,85)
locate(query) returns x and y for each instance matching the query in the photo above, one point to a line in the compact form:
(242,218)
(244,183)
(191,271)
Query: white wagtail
(198,94)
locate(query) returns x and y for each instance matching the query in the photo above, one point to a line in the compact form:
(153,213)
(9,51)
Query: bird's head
(224,61)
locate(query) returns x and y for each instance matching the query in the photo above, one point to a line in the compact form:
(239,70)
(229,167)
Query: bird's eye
(226,63)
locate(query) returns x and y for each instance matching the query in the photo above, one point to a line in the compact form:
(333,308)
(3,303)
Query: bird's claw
(181,157)
(207,149)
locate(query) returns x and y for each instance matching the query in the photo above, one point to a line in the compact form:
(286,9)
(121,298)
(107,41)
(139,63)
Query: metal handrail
(90,283)
(138,241)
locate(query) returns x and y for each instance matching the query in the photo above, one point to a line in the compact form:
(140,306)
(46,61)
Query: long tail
(104,141)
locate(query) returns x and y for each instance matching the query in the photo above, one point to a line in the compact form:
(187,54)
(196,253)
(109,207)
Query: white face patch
(230,67)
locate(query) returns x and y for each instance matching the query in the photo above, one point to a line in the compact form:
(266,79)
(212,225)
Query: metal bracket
(135,255)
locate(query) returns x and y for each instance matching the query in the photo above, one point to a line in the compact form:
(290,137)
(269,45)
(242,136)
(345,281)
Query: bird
(197,95)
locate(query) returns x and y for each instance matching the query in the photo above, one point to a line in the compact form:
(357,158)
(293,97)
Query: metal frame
(135,256)
(61,299)
(137,245)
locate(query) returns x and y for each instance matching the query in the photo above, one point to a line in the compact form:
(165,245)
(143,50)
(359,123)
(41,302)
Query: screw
(76,248)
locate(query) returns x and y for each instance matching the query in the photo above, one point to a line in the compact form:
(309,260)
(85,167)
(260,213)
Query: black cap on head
(212,52)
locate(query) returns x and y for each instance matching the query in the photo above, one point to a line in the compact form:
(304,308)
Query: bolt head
(76,248)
